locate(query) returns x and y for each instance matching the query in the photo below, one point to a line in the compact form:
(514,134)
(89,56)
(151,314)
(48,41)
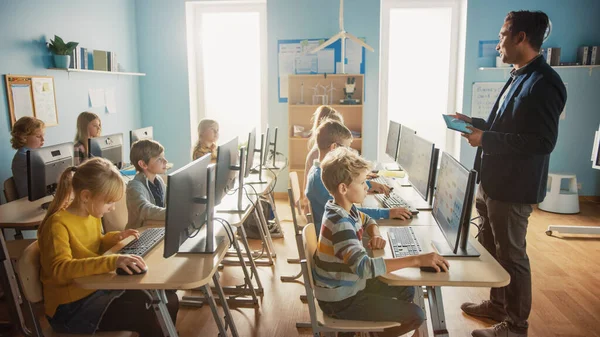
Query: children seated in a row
(27,134)
(330,136)
(346,284)
(72,246)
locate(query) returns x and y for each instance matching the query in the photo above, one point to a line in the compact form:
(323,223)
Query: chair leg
(291,278)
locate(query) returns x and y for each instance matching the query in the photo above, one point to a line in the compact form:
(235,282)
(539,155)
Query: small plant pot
(62,61)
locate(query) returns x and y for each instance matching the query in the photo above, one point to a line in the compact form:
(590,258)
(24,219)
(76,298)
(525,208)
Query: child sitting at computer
(89,126)
(208,134)
(27,134)
(346,284)
(72,245)
(146,192)
(324,113)
(330,136)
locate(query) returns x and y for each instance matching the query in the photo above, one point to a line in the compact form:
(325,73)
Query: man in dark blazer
(513,152)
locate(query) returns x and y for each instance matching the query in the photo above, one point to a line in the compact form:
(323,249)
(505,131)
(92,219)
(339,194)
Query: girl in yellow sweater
(72,246)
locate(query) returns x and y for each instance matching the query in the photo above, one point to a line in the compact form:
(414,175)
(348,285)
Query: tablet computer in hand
(456,124)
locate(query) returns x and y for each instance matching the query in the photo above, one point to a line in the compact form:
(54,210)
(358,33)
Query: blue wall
(97,24)
(164,92)
(574,23)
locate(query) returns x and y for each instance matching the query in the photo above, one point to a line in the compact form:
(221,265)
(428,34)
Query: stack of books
(84,58)
(588,55)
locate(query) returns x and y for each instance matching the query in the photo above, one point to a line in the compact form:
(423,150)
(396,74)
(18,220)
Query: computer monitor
(596,151)
(274,143)
(108,147)
(189,226)
(250,153)
(266,147)
(139,134)
(405,144)
(44,168)
(452,207)
(391,147)
(422,167)
(230,165)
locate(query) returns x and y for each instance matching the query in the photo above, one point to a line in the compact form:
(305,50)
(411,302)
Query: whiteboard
(483,98)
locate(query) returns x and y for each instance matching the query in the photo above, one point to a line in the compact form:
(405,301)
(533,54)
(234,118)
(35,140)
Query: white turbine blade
(359,41)
(326,43)
(341,15)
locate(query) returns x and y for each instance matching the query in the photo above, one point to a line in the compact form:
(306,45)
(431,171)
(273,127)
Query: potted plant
(62,51)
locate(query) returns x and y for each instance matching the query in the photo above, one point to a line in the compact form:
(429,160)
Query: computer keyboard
(384,180)
(394,201)
(148,239)
(403,241)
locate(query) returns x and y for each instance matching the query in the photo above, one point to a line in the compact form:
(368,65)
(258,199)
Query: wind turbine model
(342,35)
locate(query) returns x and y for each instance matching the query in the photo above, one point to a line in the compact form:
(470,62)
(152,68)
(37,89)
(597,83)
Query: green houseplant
(62,51)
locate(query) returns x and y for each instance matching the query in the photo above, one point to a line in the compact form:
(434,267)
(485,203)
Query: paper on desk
(111,102)
(96,97)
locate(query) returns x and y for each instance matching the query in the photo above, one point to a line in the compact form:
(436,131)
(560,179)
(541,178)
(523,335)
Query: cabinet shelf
(71,70)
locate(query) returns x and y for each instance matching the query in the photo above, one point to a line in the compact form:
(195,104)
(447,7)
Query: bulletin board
(293,57)
(32,96)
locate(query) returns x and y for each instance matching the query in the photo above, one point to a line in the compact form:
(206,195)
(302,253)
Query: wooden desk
(23,214)
(482,271)
(181,271)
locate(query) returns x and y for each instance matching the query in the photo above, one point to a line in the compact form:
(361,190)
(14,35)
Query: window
(419,66)
(229,48)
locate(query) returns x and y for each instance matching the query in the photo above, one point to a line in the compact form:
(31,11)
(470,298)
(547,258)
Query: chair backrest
(10,190)
(295,198)
(117,219)
(295,186)
(309,239)
(28,269)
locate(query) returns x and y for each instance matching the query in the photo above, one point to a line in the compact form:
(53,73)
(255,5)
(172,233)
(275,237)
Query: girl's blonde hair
(204,125)
(23,128)
(322,113)
(97,175)
(83,120)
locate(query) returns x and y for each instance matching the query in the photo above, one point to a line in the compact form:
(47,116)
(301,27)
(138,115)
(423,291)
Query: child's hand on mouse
(131,263)
(129,232)
(372,175)
(400,213)
(377,242)
(433,260)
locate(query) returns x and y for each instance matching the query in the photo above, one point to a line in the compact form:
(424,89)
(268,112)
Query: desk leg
(271,201)
(253,269)
(420,301)
(213,306)
(159,304)
(265,232)
(436,306)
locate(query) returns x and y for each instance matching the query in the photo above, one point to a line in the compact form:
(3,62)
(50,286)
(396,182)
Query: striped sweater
(341,263)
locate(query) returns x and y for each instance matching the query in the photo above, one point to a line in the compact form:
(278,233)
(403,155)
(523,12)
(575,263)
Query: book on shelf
(100,60)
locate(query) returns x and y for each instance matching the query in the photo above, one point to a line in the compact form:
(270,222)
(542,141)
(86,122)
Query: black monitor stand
(242,203)
(260,165)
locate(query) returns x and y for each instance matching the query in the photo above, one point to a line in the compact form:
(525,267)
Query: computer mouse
(121,271)
(431,270)
(375,171)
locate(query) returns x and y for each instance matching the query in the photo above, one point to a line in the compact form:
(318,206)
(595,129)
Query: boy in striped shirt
(346,284)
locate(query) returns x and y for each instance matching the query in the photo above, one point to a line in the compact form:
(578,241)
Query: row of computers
(193,191)
(449,190)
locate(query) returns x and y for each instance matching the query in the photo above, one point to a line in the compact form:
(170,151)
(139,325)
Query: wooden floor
(566,287)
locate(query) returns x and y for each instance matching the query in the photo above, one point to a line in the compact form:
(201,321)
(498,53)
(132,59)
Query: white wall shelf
(71,70)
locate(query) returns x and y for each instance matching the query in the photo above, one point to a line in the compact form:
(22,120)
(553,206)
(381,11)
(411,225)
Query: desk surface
(180,271)
(424,218)
(22,213)
(483,271)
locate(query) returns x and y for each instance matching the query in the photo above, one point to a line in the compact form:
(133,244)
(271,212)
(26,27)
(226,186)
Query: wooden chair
(10,190)
(320,322)
(28,271)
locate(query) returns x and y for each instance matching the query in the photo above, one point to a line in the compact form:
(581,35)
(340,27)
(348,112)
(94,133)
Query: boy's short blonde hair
(331,132)
(341,166)
(24,127)
(144,149)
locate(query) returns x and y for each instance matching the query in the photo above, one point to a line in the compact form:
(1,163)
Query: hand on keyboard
(131,263)
(434,261)
(377,242)
(379,188)
(127,233)
(400,213)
